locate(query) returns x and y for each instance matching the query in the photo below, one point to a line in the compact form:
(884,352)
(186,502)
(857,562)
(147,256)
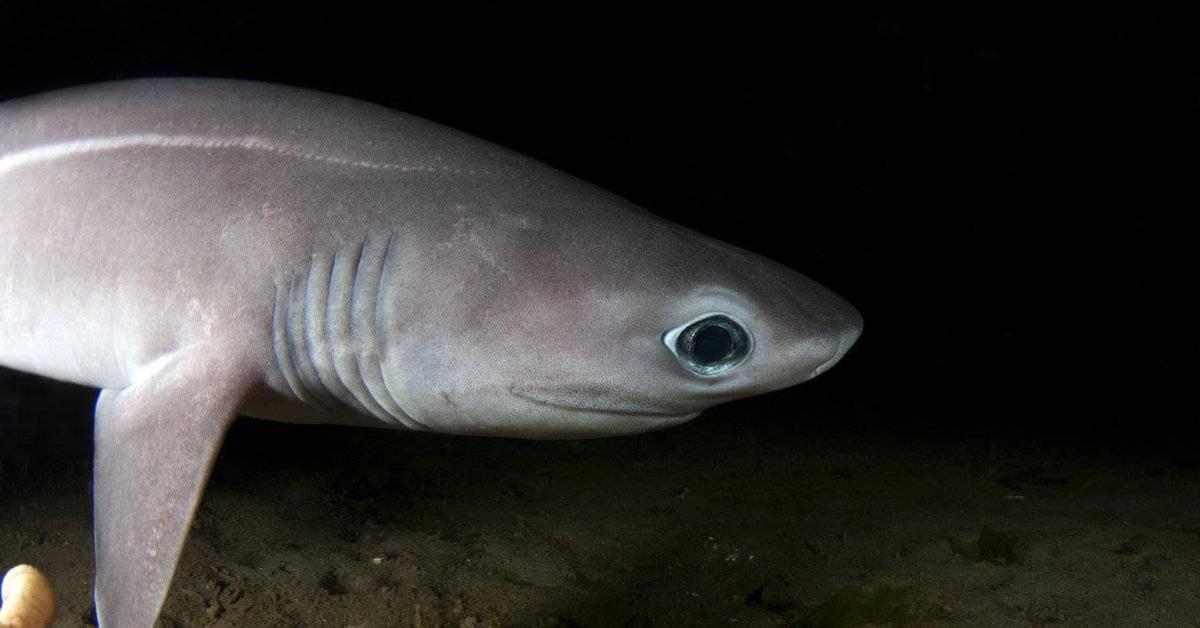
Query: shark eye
(709,345)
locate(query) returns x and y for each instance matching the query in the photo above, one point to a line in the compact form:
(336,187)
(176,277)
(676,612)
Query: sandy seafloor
(775,512)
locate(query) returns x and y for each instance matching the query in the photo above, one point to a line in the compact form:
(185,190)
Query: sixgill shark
(201,249)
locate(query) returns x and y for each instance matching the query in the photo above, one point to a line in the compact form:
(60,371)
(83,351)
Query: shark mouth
(598,400)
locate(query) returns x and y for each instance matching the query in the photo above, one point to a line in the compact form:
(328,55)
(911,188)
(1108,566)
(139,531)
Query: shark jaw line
(636,409)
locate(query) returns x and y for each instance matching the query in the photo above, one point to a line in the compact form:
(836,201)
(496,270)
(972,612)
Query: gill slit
(294,330)
(373,376)
(339,327)
(329,330)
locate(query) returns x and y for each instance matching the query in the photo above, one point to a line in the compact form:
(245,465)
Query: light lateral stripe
(87,146)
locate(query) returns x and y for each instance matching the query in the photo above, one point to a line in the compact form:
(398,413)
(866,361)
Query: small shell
(28,602)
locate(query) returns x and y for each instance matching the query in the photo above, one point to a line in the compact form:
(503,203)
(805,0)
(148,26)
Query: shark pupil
(712,345)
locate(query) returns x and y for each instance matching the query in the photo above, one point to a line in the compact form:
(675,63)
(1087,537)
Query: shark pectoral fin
(155,444)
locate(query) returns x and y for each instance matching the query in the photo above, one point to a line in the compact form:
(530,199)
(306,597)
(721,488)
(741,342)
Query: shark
(203,249)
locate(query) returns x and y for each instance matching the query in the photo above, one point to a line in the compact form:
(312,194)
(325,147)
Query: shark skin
(201,249)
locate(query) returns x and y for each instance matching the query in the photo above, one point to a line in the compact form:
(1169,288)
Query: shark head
(579,315)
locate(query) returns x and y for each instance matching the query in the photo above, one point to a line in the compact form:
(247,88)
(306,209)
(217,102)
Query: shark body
(199,249)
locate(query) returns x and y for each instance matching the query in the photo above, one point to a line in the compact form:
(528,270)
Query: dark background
(1006,197)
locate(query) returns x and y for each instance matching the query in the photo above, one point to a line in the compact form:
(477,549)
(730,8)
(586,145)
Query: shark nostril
(824,366)
(846,338)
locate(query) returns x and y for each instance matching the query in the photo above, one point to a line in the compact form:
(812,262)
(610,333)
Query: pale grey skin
(200,249)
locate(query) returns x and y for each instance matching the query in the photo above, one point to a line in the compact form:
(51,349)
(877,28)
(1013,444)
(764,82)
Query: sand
(775,512)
